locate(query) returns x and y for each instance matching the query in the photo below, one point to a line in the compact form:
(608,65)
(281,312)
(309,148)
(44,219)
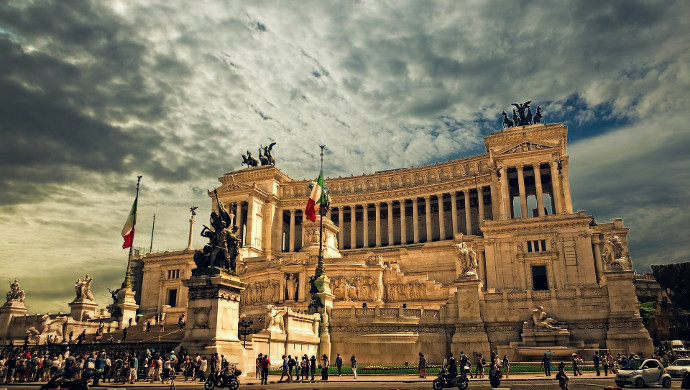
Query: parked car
(678,368)
(643,372)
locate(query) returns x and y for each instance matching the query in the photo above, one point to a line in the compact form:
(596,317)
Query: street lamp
(245,328)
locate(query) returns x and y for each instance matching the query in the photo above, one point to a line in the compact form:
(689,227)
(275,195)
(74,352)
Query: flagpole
(128,280)
(319,268)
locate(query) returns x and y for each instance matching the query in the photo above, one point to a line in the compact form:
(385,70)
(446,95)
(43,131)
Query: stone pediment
(525,146)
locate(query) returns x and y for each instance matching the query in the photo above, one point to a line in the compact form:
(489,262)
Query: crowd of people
(119,367)
(301,369)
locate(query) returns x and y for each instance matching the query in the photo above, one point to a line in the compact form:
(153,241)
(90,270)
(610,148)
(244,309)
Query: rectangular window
(539,279)
(529,246)
(172,297)
(543,245)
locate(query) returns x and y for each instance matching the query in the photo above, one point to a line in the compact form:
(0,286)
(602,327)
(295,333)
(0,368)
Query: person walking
(506,365)
(546,364)
(285,370)
(353,364)
(562,377)
(339,364)
(596,359)
(312,367)
(324,367)
(576,370)
(422,365)
(605,364)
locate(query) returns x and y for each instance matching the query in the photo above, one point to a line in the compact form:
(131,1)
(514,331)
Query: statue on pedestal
(540,320)
(467,259)
(83,288)
(266,156)
(614,254)
(15,293)
(223,247)
(275,318)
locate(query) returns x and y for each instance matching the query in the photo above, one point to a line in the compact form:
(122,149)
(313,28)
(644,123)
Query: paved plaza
(589,381)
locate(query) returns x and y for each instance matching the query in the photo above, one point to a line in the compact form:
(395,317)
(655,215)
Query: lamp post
(245,328)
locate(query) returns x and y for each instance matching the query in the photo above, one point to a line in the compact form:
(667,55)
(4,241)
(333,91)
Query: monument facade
(469,254)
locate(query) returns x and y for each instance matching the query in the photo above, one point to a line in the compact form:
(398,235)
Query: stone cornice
(527,225)
(169,256)
(389,194)
(253,174)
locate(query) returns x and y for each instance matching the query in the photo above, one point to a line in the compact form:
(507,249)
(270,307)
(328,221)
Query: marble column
(240,221)
(441,219)
(480,200)
(521,188)
(415,219)
(540,191)
(598,264)
(454,212)
(403,223)
(556,188)
(250,223)
(377,207)
(505,194)
(353,228)
(365,225)
(341,225)
(390,222)
(468,212)
(568,205)
(291,236)
(427,213)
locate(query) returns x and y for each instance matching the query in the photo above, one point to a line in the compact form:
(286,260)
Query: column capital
(427,197)
(520,167)
(377,205)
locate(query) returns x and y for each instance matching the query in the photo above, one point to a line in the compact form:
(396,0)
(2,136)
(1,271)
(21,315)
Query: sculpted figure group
(265,157)
(83,288)
(540,320)
(223,247)
(16,293)
(523,116)
(614,254)
(467,259)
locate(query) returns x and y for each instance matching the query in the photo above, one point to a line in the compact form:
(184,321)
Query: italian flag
(315,199)
(128,230)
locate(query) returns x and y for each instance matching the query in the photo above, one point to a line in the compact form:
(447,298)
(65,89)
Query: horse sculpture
(267,158)
(250,160)
(507,122)
(537,116)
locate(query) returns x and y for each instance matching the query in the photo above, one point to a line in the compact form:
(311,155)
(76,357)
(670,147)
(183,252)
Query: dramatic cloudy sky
(94,93)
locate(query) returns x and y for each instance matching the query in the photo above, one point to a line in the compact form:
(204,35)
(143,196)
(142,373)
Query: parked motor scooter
(226,378)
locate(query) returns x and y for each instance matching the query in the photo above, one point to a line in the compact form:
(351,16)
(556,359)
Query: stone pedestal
(213,315)
(540,337)
(470,334)
(128,306)
(82,309)
(625,329)
(310,237)
(9,310)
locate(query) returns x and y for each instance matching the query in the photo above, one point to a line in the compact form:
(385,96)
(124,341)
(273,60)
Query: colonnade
(405,221)
(559,189)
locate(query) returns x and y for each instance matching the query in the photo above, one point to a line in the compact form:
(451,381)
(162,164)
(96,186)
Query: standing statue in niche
(82,287)
(467,259)
(223,247)
(16,293)
(614,254)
